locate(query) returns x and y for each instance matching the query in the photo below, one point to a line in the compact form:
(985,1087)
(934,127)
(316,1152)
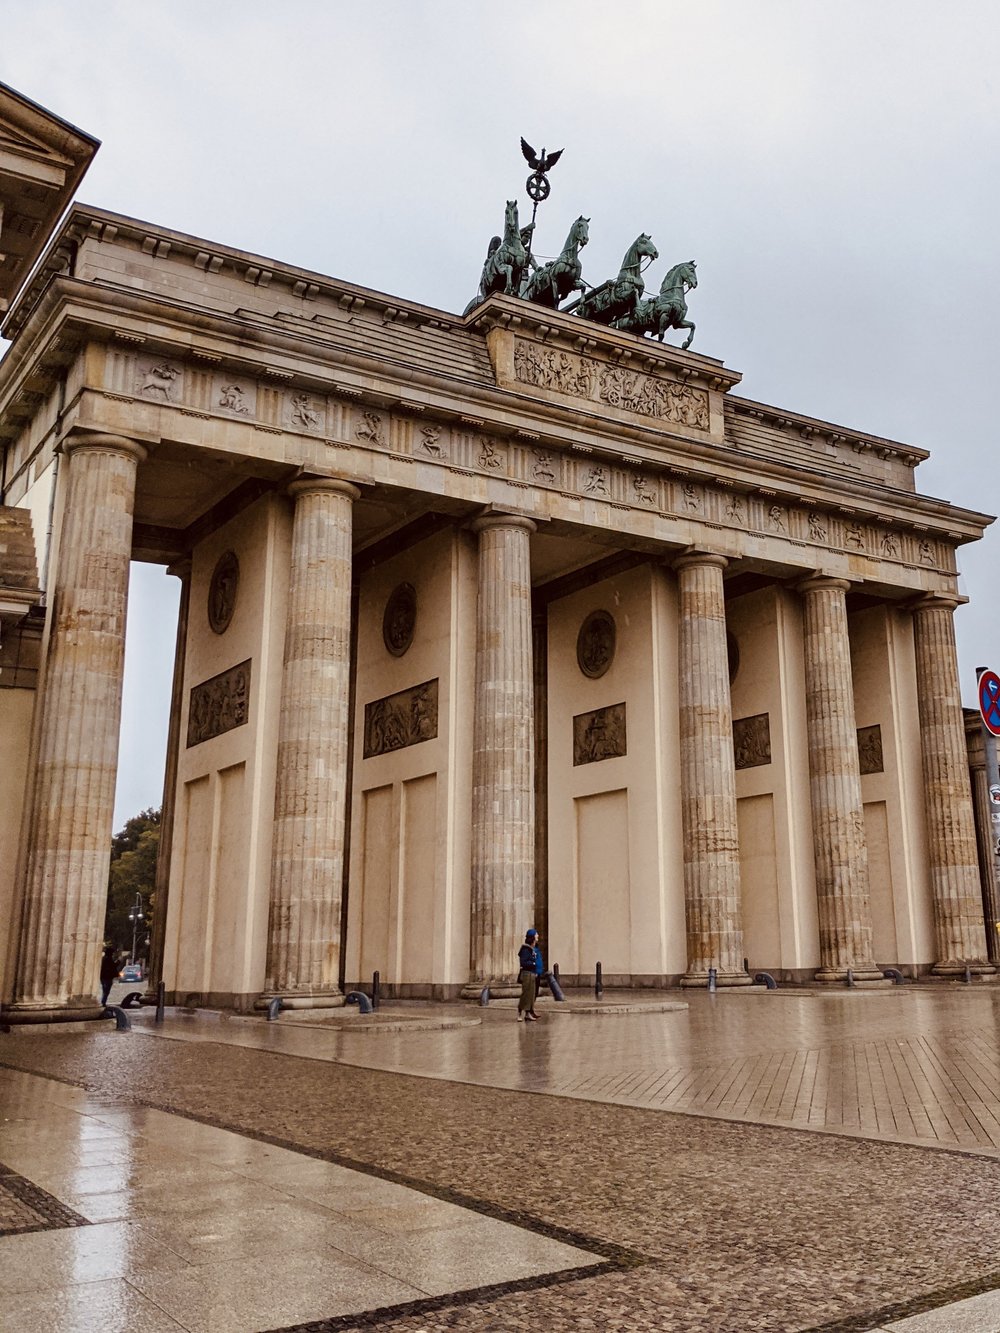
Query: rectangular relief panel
(884,942)
(378,856)
(870,750)
(418,872)
(752,740)
(599,735)
(759,882)
(219,704)
(401,719)
(603,882)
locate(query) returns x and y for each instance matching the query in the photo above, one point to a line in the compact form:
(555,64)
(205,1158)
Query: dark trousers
(527,1001)
(106,989)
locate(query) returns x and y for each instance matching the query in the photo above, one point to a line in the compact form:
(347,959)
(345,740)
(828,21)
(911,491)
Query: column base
(692,979)
(864,974)
(302,1000)
(501,989)
(955,967)
(78,1011)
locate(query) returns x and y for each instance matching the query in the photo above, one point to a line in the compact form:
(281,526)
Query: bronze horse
(553,282)
(617,298)
(666,311)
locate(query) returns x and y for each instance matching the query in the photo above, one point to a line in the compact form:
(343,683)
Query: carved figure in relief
(817,528)
(431,443)
(553,282)
(734,509)
(370,428)
(488,456)
(542,467)
(888,544)
(160,379)
(691,498)
(752,741)
(302,412)
(926,554)
(596,483)
(617,297)
(870,758)
(776,518)
(666,311)
(854,536)
(599,735)
(232,398)
(643,494)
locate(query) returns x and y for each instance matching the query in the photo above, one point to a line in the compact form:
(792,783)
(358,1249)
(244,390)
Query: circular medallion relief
(222,592)
(399,619)
(595,644)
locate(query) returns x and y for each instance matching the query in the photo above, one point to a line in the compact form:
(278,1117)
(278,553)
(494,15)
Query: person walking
(109,970)
(528,962)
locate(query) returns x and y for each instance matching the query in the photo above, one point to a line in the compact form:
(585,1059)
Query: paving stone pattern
(709,1225)
(24,1207)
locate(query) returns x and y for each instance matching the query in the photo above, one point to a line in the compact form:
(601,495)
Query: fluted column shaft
(838,823)
(303,948)
(72,792)
(503,833)
(951,832)
(708,777)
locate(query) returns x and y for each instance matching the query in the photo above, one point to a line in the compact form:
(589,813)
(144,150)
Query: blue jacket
(528,958)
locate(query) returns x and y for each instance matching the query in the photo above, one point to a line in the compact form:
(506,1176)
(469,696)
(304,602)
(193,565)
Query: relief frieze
(402,719)
(615,386)
(870,750)
(219,705)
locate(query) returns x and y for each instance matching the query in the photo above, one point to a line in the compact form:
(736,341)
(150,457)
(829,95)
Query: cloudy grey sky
(831,164)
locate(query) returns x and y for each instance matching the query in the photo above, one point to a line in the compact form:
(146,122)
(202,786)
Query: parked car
(131,972)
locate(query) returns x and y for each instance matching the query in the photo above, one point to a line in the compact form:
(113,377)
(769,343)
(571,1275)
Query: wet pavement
(545,1176)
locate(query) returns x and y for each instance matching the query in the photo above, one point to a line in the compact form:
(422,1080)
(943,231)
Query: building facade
(486,621)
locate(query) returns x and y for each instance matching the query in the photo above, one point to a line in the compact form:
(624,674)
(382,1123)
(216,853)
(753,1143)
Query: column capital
(104,444)
(323,485)
(824,583)
(937,601)
(487,521)
(691,559)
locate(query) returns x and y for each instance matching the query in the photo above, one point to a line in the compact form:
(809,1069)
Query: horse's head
(510,217)
(644,247)
(680,273)
(580,231)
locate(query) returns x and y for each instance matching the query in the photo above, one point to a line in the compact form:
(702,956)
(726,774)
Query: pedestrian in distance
(109,970)
(540,973)
(528,963)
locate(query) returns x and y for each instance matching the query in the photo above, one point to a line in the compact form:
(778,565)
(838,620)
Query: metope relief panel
(599,735)
(402,719)
(159,381)
(870,750)
(614,386)
(752,740)
(305,412)
(219,705)
(234,396)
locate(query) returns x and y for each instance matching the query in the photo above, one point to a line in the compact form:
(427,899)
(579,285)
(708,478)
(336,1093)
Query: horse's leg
(508,272)
(686,324)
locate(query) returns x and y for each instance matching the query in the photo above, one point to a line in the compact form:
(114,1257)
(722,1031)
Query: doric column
(503,831)
(303,947)
(158,935)
(951,832)
(72,791)
(838,821)
(708,777)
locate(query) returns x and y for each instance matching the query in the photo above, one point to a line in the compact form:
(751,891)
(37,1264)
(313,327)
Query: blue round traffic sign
(989,701)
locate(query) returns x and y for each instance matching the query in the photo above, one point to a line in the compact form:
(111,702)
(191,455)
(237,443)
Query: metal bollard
(161,996)
(555,969)
(849,979)
(713,978)
(374,990)
(968,975)
(746,966)
(121,1018)
(484,996)
(767,979)
(274,1009)
(359,998)
(555,988)
(894,975)
(598,982)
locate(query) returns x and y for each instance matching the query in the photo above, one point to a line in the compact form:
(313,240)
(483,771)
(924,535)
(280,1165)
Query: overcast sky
(832,165)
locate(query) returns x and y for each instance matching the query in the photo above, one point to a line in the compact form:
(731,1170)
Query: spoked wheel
(538,187)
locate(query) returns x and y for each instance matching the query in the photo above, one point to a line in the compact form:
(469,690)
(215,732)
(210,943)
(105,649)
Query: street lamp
(135,916)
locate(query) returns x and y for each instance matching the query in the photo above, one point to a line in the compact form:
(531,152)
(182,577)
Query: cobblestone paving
(713,1225)
(24,1207)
